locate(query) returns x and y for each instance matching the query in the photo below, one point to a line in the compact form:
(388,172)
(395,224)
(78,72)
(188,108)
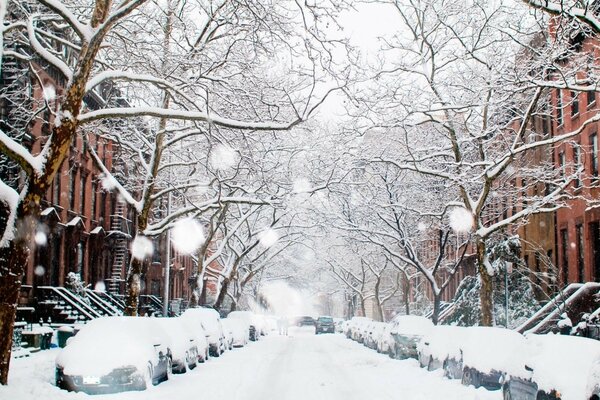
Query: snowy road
(299,366)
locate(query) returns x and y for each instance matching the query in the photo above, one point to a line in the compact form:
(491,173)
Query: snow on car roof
(411,325)
(493,348)
(111,342)
(558,362)
(444,341)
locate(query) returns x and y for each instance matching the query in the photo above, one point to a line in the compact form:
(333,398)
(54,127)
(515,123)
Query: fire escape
(120,230)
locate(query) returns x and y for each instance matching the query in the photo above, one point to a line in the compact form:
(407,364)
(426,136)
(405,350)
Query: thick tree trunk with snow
(222,293)
(132,296)
(486,292)
(15,258)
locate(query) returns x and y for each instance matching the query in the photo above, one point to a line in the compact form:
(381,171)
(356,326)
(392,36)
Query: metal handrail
(74,302)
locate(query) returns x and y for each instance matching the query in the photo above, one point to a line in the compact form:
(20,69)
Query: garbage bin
(46,341)
(64,333)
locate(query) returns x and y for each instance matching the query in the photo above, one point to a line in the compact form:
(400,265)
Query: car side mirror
(528,368)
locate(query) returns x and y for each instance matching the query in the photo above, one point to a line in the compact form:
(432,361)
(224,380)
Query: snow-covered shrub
(521,300)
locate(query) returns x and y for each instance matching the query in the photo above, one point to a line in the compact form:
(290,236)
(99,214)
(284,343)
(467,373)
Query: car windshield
(327,320)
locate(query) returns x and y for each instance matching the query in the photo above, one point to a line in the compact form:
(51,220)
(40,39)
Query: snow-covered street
(299,366)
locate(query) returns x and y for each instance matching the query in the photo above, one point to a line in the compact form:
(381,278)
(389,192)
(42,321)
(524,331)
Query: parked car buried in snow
(239,331)
(114,354)
(442,347)
(557,367)
(385,341)
(247,317)
(490,353)
(357,327)
(211,322)
(181,342)
(407,331)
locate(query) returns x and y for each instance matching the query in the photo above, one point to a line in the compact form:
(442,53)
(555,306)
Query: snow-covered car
(385,341)
(200,337)
(489,353)
(557,367)
(247,317)
(238,330)
(115,354)
(339,324)
(372,334)
(407,331)
(211,322)
(228,335)
(182,343)
(441,344)
(357,327)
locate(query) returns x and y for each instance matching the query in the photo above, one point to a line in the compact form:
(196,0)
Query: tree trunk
(13,263)
(132,295)
(436,308)
(406,295)
(362,307)
(222,294)
(486,317)
(14,256)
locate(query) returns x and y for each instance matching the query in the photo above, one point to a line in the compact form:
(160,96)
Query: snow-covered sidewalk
(299,366)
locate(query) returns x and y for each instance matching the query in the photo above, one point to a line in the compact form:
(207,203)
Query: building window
(561,163)
(93,194)
(564,247)
(79,267)
(82,193)
(559,111)
(56,188)
(580,252)
(595,238)
(577,160)
(72,189)
(574,104)
(594,154)
(591,97)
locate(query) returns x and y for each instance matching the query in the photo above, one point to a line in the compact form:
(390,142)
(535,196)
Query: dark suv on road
(324,325)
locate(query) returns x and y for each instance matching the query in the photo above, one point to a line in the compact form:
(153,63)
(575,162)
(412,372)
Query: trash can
(64,333)
(46,340)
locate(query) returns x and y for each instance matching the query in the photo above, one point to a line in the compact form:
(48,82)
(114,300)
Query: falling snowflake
(461,220)
(100,286)
(41,239)
(268,237)
(108,181)
(39,270)
(141,247)
(223,157)
(187,236)
(422,227)
(49,92)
